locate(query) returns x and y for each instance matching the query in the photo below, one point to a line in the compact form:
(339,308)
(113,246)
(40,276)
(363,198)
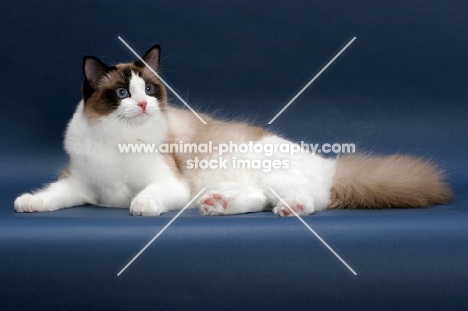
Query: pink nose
(143,105)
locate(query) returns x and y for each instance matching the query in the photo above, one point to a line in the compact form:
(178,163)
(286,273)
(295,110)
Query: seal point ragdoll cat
(127,104)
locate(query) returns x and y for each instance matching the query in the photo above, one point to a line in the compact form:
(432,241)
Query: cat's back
(185,126)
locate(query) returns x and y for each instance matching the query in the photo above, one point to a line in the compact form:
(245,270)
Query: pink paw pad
(213,204)
(291,207)
(209,202)
(216,199)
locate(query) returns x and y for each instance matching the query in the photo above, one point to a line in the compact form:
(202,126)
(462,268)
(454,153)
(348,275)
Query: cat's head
(128,91)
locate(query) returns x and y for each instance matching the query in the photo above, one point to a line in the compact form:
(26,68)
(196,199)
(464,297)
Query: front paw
(145,206)
(29,203)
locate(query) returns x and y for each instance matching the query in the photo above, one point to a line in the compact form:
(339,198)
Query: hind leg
(229,198)
(299,204)
(290,199)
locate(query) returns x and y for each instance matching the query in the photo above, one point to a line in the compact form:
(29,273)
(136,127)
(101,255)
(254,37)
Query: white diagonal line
(161,79)
(310,82)
(315,233)
(160,232)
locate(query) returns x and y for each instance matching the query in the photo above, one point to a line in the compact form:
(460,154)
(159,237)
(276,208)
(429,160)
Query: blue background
(400,87)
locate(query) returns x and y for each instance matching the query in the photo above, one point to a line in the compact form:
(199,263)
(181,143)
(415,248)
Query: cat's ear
(94,70)
(152,57)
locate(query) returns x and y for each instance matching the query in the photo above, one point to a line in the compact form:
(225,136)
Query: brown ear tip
(91,62)
(88,58)
(156,46)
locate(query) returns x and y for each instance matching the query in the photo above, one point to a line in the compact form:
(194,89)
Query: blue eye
(150,88)
(122,92)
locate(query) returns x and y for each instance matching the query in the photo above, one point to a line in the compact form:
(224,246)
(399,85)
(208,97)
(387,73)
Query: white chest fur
(111,177)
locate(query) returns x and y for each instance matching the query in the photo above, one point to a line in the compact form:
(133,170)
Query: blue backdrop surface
(400,87)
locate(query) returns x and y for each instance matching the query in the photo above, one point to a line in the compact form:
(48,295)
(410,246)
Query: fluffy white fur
(99,174)
(153,183)
(305,185)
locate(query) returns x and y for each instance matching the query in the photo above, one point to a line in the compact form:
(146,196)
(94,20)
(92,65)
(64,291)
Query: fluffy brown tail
(383,182)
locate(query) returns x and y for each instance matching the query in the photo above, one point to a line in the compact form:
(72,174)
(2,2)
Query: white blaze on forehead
(137,88)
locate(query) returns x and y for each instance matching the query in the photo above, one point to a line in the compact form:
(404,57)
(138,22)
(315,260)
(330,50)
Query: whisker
(116,119)
(119,125)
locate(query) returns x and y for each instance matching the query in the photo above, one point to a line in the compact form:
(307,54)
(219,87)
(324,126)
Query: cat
(121,104)
(126,103)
